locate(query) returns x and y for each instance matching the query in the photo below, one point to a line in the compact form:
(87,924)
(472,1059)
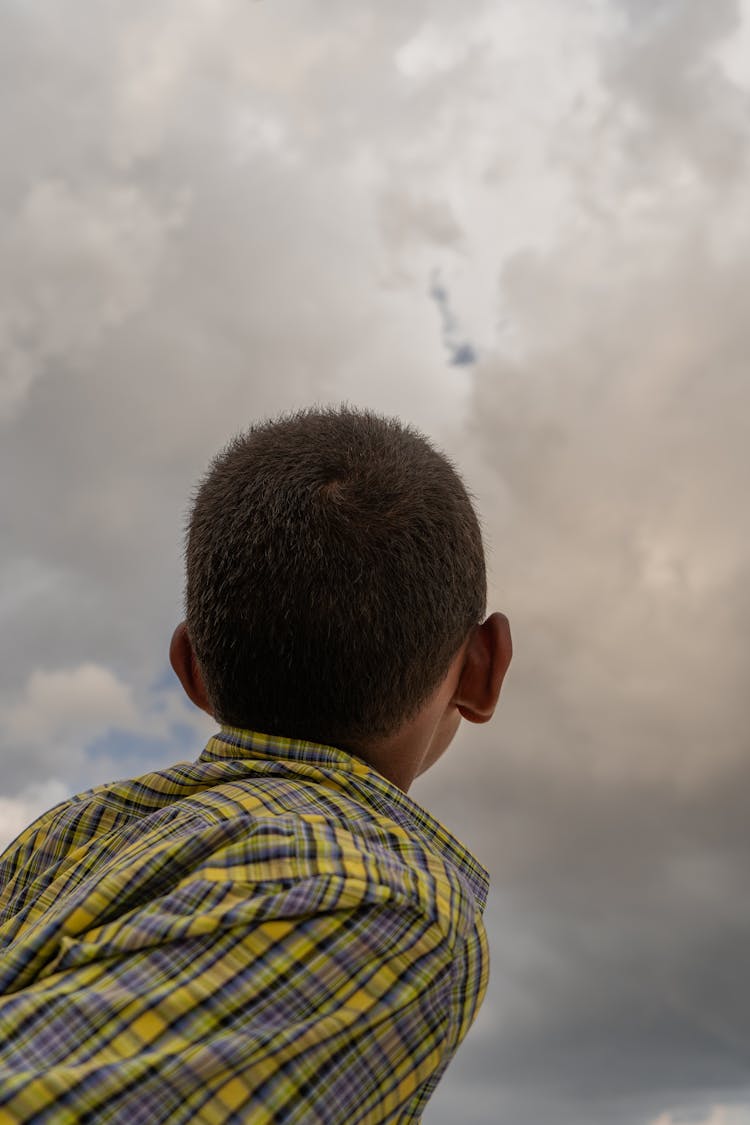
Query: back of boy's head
(334,568)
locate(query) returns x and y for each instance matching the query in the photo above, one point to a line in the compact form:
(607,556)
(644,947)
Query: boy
(275,932)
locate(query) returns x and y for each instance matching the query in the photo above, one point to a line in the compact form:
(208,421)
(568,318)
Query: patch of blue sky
(166,680)
(464,355)
(146,751)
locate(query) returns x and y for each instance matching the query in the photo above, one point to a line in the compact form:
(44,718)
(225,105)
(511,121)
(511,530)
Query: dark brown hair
(334,568)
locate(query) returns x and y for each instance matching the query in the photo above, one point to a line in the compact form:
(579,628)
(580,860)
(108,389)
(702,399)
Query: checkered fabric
(273,933)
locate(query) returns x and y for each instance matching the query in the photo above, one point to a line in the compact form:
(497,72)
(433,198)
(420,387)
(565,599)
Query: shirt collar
(387,798)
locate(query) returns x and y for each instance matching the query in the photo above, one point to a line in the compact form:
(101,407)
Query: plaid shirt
(274,933)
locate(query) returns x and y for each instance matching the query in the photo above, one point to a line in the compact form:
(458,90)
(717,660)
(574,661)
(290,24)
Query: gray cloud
(681,107)
(612,785)
(217,212)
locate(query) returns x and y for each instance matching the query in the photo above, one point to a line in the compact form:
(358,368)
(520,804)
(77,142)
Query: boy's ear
(486,659)
(186,667)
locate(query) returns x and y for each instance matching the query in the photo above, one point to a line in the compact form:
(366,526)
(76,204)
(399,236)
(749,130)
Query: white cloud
(734,53)
(77,262)
(718,1115)
(70,704)
(62,712)
(17,812)
(432,51)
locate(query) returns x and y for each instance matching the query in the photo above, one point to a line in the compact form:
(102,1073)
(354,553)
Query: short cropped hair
(334,568)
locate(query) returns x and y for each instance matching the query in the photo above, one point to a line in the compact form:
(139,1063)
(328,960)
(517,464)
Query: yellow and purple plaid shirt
(274,933)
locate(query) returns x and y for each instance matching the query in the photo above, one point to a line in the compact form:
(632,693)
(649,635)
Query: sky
(521,226)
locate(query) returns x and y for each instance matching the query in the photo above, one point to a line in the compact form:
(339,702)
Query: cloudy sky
(523,226)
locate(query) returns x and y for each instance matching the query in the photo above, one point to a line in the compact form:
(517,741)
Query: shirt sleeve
(341,1018)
